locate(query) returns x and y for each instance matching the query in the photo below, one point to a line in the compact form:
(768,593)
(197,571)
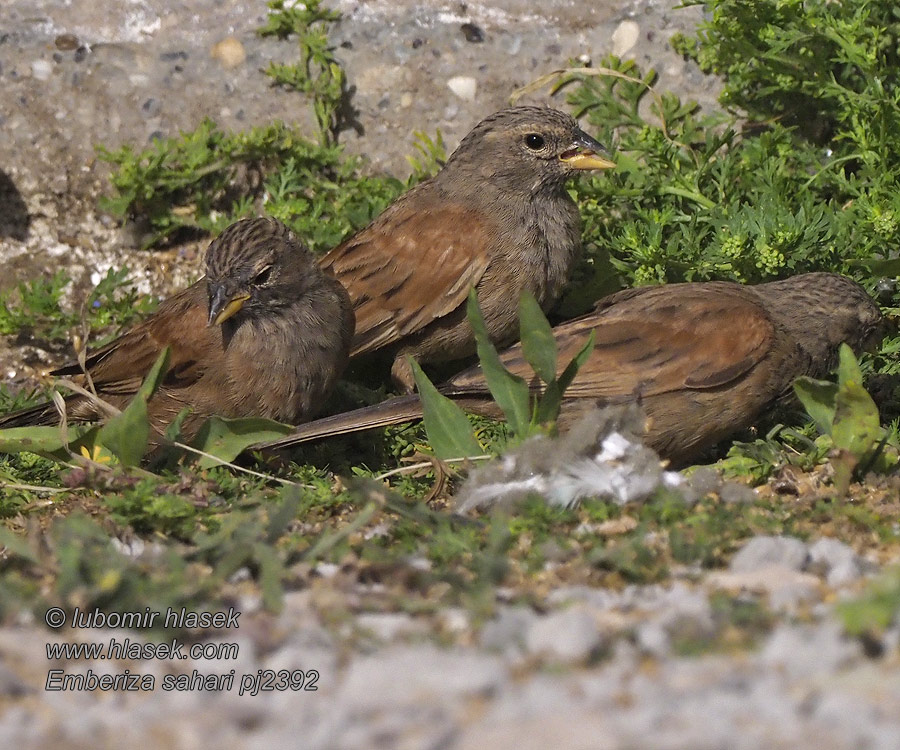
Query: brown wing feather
(120,366)
(406,255)
(674,338)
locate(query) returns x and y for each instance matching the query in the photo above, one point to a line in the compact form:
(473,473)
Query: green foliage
(449,430)
(126,434)
(208,178)
(846,413)
(224,439)
(432,155)
(197,181)
(318,74)
(829,68)
(36,307)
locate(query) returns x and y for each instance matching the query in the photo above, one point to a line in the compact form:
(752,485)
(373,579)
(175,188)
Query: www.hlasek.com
(122,648)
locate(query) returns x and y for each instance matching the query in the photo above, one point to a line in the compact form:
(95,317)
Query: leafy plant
(318,74)
(449,430)
(208,178)
(36,307)
(845,412)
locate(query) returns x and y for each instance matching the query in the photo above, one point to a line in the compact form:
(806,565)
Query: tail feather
(31,416)
(393,411)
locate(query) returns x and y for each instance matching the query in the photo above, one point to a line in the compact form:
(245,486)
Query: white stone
(464,87)
(41,70)
(569,636)
(625,37)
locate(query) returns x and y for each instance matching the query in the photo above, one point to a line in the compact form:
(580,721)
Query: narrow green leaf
(817,397)
(509,391)
(173,431)
(568,375)
(226,438)
(126,434)
(448,427)
(548,406)
(538,344)
(546,410)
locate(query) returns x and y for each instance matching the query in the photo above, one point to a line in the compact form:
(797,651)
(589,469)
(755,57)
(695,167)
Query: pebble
(786,589)
(804,651)
(472,33)
(766,551)
(66,42)
(570,636)
(464,87)
(625,37)
(389,626)
(41,70)
(151,107)
(508,629)
(229,52)
(842,565)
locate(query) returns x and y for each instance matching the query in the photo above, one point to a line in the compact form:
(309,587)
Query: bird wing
(408,269)
(119,367)
(666,339)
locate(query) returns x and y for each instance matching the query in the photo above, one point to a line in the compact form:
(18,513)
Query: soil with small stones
(598,668)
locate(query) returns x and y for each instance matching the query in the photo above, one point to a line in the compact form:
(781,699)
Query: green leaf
(538,344)
(47,441)
(817,397)
(448,427)
(173,431)
(551,399)
(568,375)
(509,391)
(878,266)
(857,426)
(126,434)
(226,438)
(848,368)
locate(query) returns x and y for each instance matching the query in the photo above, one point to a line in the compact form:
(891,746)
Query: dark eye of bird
(263,276)
(534,141)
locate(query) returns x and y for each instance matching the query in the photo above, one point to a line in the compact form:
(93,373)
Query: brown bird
(496,217)
(704,360)
(266,333)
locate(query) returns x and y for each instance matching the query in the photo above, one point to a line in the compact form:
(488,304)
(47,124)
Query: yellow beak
(586,160)
(217,317)
(585,153)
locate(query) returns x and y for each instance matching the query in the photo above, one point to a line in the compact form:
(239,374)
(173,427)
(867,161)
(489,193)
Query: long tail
(41,414)
(393,411)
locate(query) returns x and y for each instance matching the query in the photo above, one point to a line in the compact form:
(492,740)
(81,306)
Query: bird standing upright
(496,217)
(704,360)
(266,333)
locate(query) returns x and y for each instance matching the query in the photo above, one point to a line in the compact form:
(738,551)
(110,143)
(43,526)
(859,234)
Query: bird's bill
(586,153)
(222,307)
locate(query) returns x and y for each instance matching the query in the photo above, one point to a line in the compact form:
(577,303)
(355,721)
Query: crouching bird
(704,360)
(266,333)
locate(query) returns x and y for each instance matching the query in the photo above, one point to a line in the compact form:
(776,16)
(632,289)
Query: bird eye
(263,276)
(534,141)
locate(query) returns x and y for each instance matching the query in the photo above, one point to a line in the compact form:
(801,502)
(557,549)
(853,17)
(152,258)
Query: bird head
(527,146)
(247,266)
